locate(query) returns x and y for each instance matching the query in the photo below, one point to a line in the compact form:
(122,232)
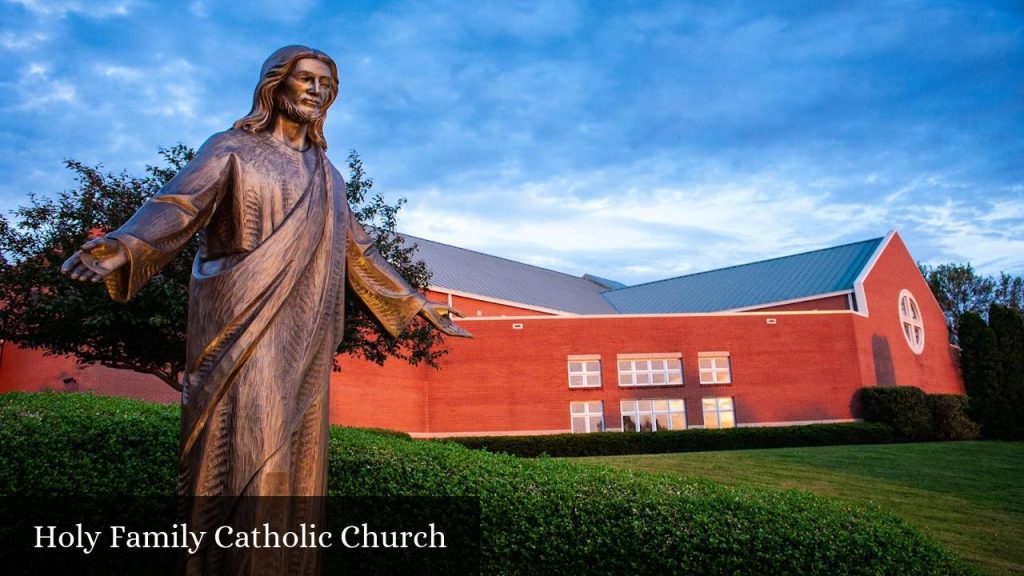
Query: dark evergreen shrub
(949,418)
(1006,407)
(903,408)
(617,443)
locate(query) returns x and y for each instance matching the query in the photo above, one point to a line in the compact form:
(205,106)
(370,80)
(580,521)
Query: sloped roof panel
(780,279)
(499,278)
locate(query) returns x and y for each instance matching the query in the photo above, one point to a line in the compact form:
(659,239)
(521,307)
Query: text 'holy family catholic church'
(783,341)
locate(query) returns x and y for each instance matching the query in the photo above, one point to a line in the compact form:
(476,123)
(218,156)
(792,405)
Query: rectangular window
(651,415)
(653,370)
(719,413)
(586,416)
(584,371)
(714,368)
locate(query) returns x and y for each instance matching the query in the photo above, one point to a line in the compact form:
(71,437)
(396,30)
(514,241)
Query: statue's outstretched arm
(128,257)
(387,295)
(96,258)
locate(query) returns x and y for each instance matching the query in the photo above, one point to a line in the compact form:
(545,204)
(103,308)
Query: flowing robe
(266,310)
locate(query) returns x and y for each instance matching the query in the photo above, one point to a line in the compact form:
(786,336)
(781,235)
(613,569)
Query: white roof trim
(451,292)
(858,284)
(779,314)
(790,301)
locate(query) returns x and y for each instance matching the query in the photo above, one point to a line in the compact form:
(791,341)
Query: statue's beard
(289,110)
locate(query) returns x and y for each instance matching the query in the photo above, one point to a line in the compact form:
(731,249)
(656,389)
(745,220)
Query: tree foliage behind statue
(46,310)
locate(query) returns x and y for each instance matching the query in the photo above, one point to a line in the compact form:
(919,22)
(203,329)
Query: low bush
(55,443)
(949,418)
(619,443)
(547,516)
(904,408)
(916,416)
(538,516)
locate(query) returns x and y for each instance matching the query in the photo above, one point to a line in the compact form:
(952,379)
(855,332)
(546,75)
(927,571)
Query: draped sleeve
(386,294)
(158,231)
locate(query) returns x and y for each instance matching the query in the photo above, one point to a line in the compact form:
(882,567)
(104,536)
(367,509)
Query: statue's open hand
(440,316)
(97,258)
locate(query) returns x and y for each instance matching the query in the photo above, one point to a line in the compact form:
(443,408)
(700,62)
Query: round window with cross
(910,320)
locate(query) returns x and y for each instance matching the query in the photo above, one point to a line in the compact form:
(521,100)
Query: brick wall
(787,366)
(24,370)
(886,358)
(802,367)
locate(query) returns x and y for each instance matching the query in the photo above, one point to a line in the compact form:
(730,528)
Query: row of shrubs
(537,516)
(915,416)
(696,440)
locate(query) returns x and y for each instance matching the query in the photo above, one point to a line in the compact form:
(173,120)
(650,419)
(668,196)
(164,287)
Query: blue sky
(631,140)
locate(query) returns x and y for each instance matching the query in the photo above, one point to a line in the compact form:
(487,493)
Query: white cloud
(91,9)
(640,233)
(987,234)
(590,223)
(38,87)
(167,90)
(20,41)
(116,72)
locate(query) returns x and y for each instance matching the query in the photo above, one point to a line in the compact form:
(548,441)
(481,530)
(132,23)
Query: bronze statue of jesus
(266,299)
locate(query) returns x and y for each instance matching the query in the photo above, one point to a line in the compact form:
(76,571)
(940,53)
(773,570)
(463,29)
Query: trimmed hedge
(915,416)
(905,408)
(57,443)
(547,516)
(949,418)
(539,516)
(620,443)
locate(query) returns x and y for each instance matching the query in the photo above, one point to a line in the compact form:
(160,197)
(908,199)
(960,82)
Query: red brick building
(782,341)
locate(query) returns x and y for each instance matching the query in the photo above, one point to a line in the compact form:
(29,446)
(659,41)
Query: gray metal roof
(805,275)
(464,270)
(787,278)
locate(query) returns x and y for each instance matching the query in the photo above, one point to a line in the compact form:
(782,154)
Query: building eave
(790,301)
(491,300)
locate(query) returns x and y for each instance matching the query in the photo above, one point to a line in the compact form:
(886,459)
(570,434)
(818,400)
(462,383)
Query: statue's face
(302,94)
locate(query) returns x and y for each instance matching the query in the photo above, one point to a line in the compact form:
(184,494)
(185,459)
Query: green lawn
(967,495)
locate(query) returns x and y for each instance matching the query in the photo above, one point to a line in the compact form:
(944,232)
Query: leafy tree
(1009,291)
(363,337)
(45,310)
(959,289)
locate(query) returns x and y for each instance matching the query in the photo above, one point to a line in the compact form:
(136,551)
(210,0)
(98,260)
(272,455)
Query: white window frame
(587,371)
(652,408)
(586,413)
(719,363)
(642,370)
(718,411)
(911,322)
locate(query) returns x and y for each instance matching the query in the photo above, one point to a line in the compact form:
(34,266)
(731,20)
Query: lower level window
(719,413)
(651,415)
(586,416)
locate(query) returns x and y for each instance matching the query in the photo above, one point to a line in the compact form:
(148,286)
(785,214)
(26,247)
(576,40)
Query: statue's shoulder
(334,171)
(231,140)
